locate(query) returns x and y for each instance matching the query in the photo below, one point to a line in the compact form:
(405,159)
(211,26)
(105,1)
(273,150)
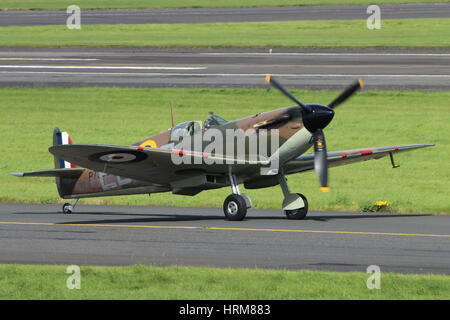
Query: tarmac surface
(123,235)
(205,15)
(144,67)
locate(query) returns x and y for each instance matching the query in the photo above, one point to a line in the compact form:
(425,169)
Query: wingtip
(17,174)
(424,145)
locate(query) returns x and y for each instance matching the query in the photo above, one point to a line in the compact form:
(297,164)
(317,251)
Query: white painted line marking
(101,67)
(323,54)
(48,59)
(235,74)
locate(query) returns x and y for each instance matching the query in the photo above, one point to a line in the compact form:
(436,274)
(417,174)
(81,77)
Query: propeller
(278,85)
(358,84)
(320,159)
(315,118)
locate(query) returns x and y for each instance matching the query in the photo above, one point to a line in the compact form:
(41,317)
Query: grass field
(302,34)
(140,4)
(175,282)
(124,116)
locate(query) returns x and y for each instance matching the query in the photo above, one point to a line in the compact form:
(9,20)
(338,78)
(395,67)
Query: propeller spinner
(315,118)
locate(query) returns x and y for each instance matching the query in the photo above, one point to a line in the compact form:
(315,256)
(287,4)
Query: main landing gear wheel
(298,214)
(235,207)
(67,208)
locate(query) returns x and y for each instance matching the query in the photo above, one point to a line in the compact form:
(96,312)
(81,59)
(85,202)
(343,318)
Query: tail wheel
(235,207)
(298,214)
(67,208)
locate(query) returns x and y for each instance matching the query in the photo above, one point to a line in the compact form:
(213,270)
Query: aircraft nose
(319,117)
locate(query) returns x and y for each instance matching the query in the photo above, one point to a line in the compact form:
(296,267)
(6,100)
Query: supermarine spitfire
(267,147)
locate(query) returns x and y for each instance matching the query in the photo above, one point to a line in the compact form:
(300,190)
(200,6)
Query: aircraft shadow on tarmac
(168,217)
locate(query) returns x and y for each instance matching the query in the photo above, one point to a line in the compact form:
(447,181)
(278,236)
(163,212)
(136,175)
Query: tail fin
(58,139)
(64,185)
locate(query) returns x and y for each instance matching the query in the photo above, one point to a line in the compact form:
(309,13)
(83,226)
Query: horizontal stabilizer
(62,173)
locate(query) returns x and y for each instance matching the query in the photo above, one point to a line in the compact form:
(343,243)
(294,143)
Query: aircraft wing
(155,165)
(337,158)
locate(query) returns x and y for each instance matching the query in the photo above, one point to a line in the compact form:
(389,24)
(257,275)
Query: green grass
(433,33)
(176,282)
(140,4)
(124,116)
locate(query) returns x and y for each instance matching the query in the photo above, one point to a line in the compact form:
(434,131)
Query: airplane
(153,165)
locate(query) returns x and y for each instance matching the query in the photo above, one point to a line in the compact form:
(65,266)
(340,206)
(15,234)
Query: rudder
(58,139)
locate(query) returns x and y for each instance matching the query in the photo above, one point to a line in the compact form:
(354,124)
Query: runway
(122,235)
(313,69)
(205,15)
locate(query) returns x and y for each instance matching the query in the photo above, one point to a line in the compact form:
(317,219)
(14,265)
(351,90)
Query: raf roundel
(126,156)
(118,157)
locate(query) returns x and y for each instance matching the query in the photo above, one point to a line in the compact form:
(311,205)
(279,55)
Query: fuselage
(278,135)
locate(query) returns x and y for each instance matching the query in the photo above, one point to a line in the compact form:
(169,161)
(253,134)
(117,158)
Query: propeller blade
(358,84)
(320,159)
(278,85)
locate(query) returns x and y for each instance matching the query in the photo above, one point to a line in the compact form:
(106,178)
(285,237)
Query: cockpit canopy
(187,128)
(190,128)
(214,120)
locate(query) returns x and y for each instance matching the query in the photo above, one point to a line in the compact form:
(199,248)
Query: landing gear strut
(68,208)
(235,205)
(295,205)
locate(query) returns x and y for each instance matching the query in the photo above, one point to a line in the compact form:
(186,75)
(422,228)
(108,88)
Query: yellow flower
(382,203)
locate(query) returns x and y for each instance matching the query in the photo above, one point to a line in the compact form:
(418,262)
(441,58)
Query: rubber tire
(67,208)
(240,207)
(298,214)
